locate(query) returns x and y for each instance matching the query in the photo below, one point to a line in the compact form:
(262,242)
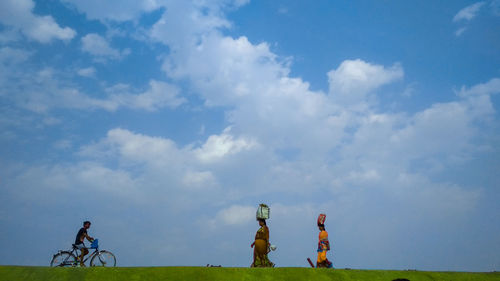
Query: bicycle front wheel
(63,259)
(103,258)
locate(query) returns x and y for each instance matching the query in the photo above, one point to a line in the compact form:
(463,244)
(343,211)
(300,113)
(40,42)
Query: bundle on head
(321,219)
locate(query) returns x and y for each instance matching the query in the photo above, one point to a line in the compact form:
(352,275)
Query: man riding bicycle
(80,237)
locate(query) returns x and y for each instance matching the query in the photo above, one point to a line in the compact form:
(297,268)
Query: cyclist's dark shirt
(78,239)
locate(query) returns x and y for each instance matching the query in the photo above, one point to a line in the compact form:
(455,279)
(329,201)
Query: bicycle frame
(77,252)
(71,257)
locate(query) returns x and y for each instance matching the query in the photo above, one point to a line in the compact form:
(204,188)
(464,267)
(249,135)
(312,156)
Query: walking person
(261,246)
(323,244)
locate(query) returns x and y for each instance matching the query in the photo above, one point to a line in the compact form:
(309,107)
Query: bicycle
(97,258)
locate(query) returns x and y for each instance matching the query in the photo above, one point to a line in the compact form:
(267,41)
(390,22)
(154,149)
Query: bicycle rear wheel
(103,258)
(63,259)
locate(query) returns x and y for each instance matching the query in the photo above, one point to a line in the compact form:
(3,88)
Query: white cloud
(443,129)
(199,180)
(116,10)
(237,3)
(183,22)
(247,77)
(135,148)
(18,14)
(86,72)
(131,10)
(410,90)
(235,67)
(13,56)
(236,215)
(9,35)
(161,152)
(50,91)
(84,178)
(43,92)
(164,159)
(489,88)
(218,146)
(354,79)
(64,144)
(164,169)
(460,31)
(159,95)
(50,121)
(478,101)
(469,12)
(98,46)
(281,111)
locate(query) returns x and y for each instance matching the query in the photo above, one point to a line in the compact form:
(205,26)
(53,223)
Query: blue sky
(167,122)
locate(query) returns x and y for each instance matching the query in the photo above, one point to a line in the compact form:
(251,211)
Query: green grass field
(24,273)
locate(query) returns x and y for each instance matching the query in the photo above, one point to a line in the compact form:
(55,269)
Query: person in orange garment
(261,244)
(323,244)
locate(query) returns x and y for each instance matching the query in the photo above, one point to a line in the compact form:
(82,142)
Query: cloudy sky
(166,122)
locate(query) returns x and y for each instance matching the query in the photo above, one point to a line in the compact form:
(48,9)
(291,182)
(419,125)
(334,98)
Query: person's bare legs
(82,255)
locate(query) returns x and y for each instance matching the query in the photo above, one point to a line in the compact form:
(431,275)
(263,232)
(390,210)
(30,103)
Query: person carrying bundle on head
(261,244)
(323,244)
